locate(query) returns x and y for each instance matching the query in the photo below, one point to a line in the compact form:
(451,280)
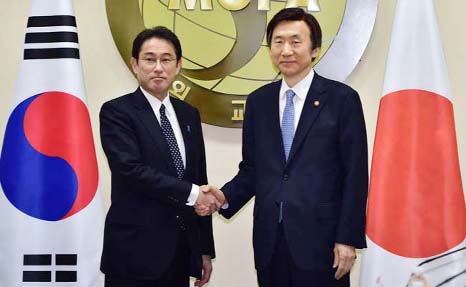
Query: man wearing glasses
(155,150)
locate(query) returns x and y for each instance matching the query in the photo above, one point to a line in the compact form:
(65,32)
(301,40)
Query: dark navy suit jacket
(323,185)
(148,213)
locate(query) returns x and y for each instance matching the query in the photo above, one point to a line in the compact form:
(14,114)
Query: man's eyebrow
(285,36)
(155,54)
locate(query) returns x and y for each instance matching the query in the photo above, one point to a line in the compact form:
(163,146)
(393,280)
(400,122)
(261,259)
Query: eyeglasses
(152,62)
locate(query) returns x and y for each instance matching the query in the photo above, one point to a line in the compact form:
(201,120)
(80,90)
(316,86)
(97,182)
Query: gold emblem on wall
(225,56)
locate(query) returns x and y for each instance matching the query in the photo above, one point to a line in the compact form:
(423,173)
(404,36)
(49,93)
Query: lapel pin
(188,128)
(316,103)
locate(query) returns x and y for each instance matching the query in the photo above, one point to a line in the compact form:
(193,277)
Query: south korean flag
(50,208)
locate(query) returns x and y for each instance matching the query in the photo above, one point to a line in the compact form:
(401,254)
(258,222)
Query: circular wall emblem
(225,55)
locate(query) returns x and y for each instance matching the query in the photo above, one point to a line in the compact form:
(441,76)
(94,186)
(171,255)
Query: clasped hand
(210,200)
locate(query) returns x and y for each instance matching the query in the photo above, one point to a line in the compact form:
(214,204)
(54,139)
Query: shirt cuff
(193,195)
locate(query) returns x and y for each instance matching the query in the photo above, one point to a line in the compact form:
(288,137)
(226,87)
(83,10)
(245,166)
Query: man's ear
(134,65)
(178,66)
(315,53)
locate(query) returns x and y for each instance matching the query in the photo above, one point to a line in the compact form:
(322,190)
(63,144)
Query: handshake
(210,200)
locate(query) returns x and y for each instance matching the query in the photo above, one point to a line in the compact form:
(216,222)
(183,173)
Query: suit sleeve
(242,187)
(353,153)
(205,222)
(120,144)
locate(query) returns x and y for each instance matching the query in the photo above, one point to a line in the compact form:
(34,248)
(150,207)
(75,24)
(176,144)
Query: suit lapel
(152,125)
(186,127)
(274,120)
(310,112)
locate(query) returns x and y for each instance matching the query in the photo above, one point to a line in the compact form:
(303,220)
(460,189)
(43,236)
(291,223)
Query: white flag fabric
(51,211)
(416,218)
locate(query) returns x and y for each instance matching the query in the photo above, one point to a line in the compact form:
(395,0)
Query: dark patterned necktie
(171,141)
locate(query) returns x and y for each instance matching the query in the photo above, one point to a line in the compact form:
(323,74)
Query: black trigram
(51,37)
(42,268)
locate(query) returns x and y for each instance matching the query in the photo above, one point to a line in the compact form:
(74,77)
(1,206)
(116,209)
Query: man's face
(290,50)
(156,67)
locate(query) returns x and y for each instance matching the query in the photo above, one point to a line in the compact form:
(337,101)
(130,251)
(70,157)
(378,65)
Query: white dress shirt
(171,115)
(300,89)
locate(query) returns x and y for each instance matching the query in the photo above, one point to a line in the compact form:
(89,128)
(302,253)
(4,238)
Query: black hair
(159,32)
(296,14)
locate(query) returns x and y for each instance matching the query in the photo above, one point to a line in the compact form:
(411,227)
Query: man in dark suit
(155,150)
(305,161)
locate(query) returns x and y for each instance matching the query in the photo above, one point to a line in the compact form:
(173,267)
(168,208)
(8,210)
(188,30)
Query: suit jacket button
(285,177)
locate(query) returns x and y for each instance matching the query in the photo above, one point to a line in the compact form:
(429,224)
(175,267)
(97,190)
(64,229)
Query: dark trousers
(177,275)
(282,271)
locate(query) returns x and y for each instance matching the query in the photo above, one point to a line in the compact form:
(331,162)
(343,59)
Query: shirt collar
(156,103)
(300,89)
